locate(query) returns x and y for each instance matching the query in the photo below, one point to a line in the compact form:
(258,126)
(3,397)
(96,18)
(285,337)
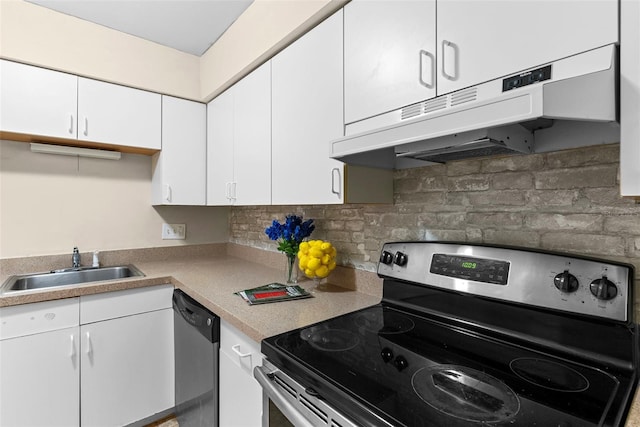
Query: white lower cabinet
(98,360)
(39,377)
(40,364)
(126,366)
(240,394)
(127,356)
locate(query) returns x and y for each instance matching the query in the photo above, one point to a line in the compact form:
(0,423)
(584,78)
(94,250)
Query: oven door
(292,401)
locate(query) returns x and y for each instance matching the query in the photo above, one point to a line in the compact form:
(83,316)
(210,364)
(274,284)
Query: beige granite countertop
(211,274)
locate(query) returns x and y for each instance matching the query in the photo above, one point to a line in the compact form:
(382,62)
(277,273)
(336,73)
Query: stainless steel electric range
(467,335)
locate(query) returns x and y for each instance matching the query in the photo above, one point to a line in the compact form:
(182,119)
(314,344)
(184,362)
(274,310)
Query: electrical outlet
(174,231)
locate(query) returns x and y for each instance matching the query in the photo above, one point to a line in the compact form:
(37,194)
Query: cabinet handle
(233,190)
(72,353)
(446,44)
(236,350)
(167,193)
(86,127)
(71,123)
(335,178)
(432,69)
(89,346)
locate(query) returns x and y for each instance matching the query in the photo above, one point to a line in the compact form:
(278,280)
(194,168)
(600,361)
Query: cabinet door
(240,396)
(239,354)
(127,368)
(483,40)
(40,380)
(389,55)
(252,138)
(118,115)
(37,101)
(179,173)
(307,114)
(220,149)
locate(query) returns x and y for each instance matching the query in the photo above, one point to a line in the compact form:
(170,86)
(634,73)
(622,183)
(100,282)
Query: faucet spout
(75,258)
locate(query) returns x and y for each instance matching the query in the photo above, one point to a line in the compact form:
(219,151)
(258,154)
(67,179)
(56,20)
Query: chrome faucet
(75,258)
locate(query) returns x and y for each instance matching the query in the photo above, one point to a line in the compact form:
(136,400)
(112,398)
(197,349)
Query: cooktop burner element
(384,321)
(333,340)
(465,393)
(550,375)
(472,335)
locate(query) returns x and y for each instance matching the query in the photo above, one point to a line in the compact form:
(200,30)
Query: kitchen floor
(169,421)
(276,419)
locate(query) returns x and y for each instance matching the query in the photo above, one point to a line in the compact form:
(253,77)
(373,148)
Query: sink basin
(66,277)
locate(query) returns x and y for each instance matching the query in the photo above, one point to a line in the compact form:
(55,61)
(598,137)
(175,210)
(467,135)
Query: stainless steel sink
(71,276)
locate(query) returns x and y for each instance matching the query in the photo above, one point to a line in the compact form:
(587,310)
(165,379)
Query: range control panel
(556,281)
(527,78)
(477,269)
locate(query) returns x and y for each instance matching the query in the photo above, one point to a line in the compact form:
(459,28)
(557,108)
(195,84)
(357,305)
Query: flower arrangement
(290,235)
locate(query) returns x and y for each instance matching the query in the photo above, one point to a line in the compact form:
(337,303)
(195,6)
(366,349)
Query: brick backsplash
(565,201)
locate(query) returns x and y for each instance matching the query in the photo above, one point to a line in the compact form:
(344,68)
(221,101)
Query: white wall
(265,28)
(49,204)
(39,36)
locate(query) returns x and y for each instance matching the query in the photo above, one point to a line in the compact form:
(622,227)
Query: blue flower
(291,233)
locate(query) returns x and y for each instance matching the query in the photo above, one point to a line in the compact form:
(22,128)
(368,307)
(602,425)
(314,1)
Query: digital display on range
(470,268)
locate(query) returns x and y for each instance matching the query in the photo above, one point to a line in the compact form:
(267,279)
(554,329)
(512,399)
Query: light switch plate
(174,231)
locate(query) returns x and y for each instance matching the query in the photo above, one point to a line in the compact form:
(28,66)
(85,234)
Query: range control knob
(400,259)
(386,257)
(401,363)
(566,282)
(603,289)
(386,354)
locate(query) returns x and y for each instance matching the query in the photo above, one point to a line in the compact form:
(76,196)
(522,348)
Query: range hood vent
(484,142)
(488,119)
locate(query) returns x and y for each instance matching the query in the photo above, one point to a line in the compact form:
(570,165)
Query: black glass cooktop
(414,370)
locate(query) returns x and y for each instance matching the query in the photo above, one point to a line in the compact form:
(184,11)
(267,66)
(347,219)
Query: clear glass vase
(290,270)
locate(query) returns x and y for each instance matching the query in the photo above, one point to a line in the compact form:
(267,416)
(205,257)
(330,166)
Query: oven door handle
(279,399)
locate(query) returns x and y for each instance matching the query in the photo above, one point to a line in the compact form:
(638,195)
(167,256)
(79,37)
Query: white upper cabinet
(37,101)
(630,99)
(179,170)
(483,40)
(239,142)
(118,115)
(307,114)
(220,149)
(398,53)
(389,55)
(252,138)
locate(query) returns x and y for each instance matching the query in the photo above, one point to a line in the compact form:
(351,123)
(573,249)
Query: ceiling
(187,25)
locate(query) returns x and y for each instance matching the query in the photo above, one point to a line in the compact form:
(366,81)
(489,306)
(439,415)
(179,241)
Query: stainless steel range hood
(496,117)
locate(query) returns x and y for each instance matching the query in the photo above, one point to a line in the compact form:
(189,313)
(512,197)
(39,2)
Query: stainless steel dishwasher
(197,345)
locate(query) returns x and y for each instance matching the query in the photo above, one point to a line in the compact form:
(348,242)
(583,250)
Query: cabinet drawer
(94,308)
(242,350)
(28,319)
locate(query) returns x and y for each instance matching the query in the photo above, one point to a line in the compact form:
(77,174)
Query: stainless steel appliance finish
(295,402)
(197,344)
(469,335)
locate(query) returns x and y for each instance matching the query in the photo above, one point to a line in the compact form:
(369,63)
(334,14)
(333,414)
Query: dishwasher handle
(279,399)
(197,315)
